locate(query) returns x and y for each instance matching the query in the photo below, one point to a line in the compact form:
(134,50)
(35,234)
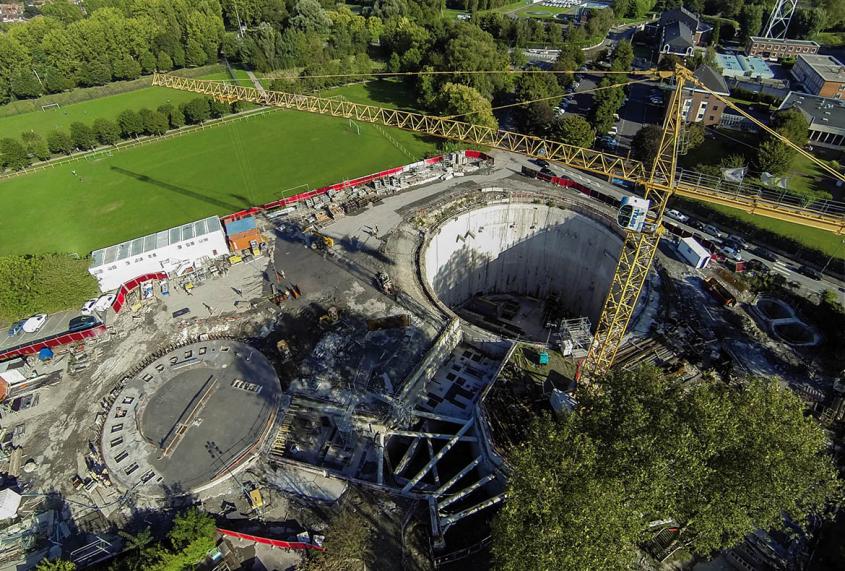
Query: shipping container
(693,252)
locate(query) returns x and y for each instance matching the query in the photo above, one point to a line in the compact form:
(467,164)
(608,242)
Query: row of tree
(117,40)
(717,461)
(19,154)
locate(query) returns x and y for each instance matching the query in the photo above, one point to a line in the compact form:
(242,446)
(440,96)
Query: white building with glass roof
(172,251)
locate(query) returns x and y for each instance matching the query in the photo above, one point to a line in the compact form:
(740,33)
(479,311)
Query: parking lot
(55,324)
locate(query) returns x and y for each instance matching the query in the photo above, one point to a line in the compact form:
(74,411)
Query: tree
(126,68)
(155,123)
(467,103)
(13,155)
(750,20)
(106,131)
(774,157)
(218,109)
(386,9)
(175,117)
(807,22)
(538,118)
(623,57)
(646,144)
(793,125)
(573,130)
(196,110)
(164,62)
(720,460)
(59,142)
(308,16)
(348,545)
(35,145)
(193,531)
(58,564)
(606,104)
(131,124)
(534,86)
(24,84)
(82,136)
(693,135)
(469,48)
(62,10)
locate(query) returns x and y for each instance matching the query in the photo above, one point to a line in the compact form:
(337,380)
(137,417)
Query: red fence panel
(274,542)
(58,340)
(120,297)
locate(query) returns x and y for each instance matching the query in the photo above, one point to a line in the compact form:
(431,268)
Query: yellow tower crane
(641,216)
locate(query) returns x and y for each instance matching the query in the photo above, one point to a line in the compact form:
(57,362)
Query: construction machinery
(385,283)
(643,218)
(320,241)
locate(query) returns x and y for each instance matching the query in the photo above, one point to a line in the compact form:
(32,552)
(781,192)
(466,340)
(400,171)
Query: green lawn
(166,183)
(830,39)
(389,93)
(827,242)
(87,111)
(542,12)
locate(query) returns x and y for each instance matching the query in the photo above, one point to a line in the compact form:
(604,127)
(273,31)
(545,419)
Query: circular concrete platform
(191,418)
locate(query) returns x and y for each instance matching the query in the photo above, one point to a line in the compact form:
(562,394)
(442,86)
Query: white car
(104,302)
(35,323)
(613,131)
(677,215)
(88,306)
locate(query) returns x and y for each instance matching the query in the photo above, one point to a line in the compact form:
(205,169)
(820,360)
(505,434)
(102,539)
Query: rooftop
(828,67)
(238,226)
(155,241)
(678,35)
(744,66)
(681,14)
(818,110)
(712,79)
(757,39)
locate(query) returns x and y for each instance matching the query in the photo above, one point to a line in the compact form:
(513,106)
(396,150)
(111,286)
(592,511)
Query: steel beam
(429,435)
(406,458)
(435,416)
(442,489)
(465,492)
(449,520)
(434,471)
(446,447)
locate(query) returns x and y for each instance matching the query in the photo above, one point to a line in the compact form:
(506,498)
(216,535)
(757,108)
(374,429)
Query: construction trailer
(242,233)
(693,252)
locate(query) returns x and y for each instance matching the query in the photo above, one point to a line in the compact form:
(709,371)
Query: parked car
(677,215)
(738,240)
(104,301)
(82,322)
(35,323)
(731,253)
(712,230)
(613,131)
(765,254)
(693,223)
(810,272)
(88,306)
(538,162)
(16,328)
(731,243)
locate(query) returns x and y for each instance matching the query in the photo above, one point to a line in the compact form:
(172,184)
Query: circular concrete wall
(530,250)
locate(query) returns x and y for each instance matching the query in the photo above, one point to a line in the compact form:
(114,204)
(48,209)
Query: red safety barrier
(120,297)
(283,202)
(274,542)
(57,340)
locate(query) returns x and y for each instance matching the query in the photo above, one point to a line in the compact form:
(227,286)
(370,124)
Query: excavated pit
(499,266)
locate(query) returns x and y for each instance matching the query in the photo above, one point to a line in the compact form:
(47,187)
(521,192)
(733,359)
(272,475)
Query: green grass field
(87,111)
(826,242)
(215,171)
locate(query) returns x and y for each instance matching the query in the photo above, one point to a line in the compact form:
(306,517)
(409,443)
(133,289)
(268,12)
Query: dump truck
(719,292)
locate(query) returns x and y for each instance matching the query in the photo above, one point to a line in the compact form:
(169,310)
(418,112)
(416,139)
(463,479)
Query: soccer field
(109,107)
(215,171)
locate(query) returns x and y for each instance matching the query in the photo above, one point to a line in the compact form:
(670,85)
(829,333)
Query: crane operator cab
(632,214)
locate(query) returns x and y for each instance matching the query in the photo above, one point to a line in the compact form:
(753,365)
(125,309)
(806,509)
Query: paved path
(256,83)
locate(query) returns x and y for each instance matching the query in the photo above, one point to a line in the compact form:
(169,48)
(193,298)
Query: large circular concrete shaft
(531,250)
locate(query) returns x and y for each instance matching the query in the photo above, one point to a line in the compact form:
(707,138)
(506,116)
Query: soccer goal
(50,106)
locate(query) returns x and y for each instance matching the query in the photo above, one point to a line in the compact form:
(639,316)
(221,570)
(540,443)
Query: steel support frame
(639,248)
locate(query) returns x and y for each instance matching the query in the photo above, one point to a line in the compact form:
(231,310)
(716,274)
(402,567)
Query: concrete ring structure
(527,249)
(191,418)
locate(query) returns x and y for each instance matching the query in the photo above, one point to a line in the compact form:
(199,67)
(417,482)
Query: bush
(59,142)
(130,123)
(13,155)
(106,131)
(196,110)
(82,136)
(43,284)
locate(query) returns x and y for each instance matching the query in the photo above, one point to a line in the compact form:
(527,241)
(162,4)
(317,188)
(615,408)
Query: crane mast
(659,182)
